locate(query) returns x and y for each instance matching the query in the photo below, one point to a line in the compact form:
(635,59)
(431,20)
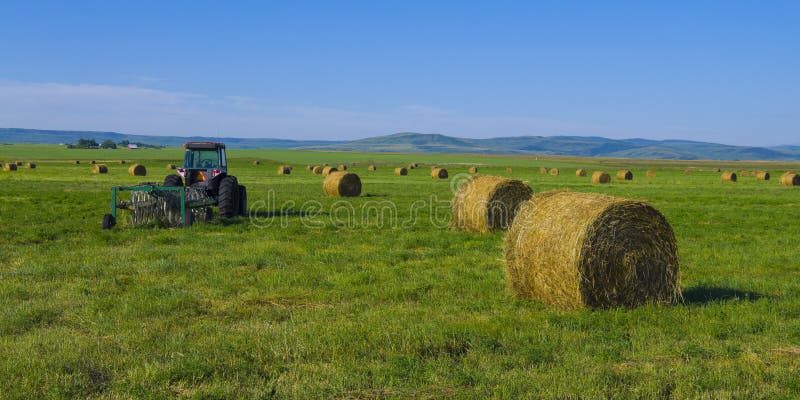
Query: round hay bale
(77,162)
(574,250)
(762,175)
(342,184)
(317,170)
(601,177)
(473,170)
(99,169)
(327,170)
(509,171)
(256,162)
(415,165)
(341,167)
(10,167)
(790,179)
(400,171)
(411,166)
(284,170)
(137,170)
(553,171)
(171,166)
(439,173)
(543,170)
(371,167)
(624,175)
(719,170)
(580,172)
(19,163)
(744,173)
(122,162)
(309,167)
(30,165)
(651,174)
(487,203)
(93,162)
(728,176)
(688,171)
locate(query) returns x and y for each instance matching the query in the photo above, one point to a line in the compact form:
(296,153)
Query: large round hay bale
(651,174)
(473,170)
(371,167)
(327,170)
(317,170)
(400,171)
(137,170)
(488,203)
(342,184)
(580,172)
(99,169)
(624,175)
(439,173)
(601,177)
(790,179)
(762,175)
(342,167)
(543,170)
(256,162)
(284,170)
(30,165)
(10,167)
(728,176)
(553,171)
(574,250)
(171,166)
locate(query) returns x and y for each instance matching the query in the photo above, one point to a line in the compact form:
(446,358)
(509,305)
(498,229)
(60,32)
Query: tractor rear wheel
(173,180)
(228,197)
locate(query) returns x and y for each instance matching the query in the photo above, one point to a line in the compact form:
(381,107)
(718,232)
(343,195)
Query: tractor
(201,183)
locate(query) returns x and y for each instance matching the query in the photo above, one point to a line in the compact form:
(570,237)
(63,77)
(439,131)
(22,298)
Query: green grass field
(301,301)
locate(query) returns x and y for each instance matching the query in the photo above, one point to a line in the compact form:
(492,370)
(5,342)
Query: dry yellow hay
(99,168)
(543,170)
(509,171)
(256,162)
(30,165)
(580,172)
(137,170)
(744,173)
(473,170)
(342,167)
(171,166)
(790,179)
(400,171)
(10,167)
(488,203)
(601,177)
(411,166)
(728,176)
(371,167)
(284,170)
(439,173)
(415,165)
(327,170)
(762,175)
(342,184)
(574,250)
(317,170)
(688,171)
(553,171)
(624,175)
(309,167)
(651,173)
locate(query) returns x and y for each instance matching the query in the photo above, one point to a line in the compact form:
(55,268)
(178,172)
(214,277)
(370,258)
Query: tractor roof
(203,145)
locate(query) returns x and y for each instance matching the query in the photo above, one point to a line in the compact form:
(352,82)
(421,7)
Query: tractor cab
(203,162)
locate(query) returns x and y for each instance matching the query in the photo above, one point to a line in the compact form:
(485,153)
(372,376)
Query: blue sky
(718,71)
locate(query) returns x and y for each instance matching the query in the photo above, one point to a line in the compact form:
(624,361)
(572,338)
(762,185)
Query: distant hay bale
(553,171)
(744,173)
(487,203)
(137,170)
(309,167)
(411,166)
(762,175)
(509,171)
(93,162)
(122,161)
(581,250)
(371,167)
(171,166)
(719,170)
(624,175)
(10,167)
(790,179)
(256,162)
(317,170)
(284,170)
(400,171)
(19,163)
(688,171)
(439,173)
(415,165)
(651,174)
(729,176)
(473,170)
(342,184)
(580,172)
(99,169)
(543,170)
(342,167)
(327,170)
(30,165)
(77,161)
(601,177)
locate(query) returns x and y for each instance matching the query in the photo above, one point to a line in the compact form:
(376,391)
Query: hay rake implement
(165,205)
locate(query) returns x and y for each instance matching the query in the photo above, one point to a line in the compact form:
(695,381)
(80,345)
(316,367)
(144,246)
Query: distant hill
(409,142)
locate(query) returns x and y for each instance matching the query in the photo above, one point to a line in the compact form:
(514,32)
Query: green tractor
(201,183)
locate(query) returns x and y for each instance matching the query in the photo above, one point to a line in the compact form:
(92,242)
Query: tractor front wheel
(173,180)
(228,197)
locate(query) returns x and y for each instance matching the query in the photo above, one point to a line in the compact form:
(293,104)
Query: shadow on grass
(700,295)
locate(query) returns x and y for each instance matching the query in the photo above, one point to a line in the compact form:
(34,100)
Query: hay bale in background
(473,170)
(439,173)
(580,172)
(543,170)
(688,171)
(651,174)
(744,173)
(10,167)
(342,184)
(30,165)
(790,179)
(371,167)
(487,203)
(122,162)
(411,166)
(553,171)
(400,171)
(327,170)
(284,170)
(624,175)
(342,167)
(137,170)
(728,176)
(415,165)
(309,167)
(77,162)
(509,171)
(317,170)
(19,163)
(99,169)
(762,175)
(93,162)
(601,177)
(171,166)
(256,162)
(574,250)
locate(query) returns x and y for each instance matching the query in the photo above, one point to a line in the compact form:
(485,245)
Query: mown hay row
(601,177)
(342,184)
(439,173)
(624,175)
(487,203)
(137,170)
(581,250)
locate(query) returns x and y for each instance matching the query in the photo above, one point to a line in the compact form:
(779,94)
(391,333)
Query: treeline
(108,144)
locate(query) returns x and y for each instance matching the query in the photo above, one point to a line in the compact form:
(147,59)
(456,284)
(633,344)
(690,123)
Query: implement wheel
(173,180)
(108,221)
